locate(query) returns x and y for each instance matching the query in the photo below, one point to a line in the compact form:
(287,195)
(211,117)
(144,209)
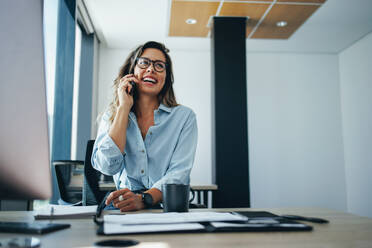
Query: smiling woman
(137,57)
(145,139)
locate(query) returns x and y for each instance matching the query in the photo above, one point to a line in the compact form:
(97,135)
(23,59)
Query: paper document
(172,218)
(65,212)
(114,228)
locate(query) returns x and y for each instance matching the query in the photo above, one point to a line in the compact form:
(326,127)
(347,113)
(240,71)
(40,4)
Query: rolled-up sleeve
(106,156)
(183,156)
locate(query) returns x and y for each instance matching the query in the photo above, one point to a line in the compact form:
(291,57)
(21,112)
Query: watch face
(147,199)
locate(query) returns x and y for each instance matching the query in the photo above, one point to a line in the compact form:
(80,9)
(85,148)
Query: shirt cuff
(109,156)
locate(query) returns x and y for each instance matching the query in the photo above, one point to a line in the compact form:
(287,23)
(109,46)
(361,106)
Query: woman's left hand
(125,200)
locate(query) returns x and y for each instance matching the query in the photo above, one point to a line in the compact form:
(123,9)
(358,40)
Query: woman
(145,140)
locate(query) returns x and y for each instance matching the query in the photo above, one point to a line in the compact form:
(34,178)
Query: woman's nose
(150,68)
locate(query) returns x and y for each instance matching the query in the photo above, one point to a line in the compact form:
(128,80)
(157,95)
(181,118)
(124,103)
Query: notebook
(65,212)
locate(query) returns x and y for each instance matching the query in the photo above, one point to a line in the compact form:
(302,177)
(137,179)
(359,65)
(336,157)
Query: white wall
(356,95)
(109,62)
(192,72)
(295,133)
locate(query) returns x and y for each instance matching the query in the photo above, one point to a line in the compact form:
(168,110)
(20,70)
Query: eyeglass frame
(152,63)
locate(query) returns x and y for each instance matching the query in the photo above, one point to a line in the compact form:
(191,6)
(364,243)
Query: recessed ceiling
(270,19)
(333,27)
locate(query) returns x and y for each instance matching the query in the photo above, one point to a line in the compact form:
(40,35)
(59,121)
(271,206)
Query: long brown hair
(165,96)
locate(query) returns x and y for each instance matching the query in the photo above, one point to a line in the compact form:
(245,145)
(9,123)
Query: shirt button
(142,171)
(143,151)
(150,133)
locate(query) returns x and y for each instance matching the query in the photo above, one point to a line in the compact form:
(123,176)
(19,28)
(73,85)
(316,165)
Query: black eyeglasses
(144,63)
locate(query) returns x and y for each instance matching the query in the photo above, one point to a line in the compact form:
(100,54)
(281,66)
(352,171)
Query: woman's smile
(148,80)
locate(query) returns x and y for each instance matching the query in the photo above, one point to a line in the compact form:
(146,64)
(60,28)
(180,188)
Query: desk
(344,230)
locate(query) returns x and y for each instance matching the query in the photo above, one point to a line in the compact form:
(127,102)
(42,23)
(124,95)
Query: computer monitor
(24,143)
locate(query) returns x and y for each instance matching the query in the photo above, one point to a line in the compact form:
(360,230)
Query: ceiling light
(281,24)
(191,21)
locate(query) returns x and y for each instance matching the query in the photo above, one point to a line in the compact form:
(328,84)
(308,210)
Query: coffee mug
(176,197)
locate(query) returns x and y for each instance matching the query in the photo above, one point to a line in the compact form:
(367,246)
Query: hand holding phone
(127,90)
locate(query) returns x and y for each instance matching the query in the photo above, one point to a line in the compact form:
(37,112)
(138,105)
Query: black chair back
(92,195)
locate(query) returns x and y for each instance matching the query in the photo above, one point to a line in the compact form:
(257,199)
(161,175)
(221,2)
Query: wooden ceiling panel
(254,1)
(302,1)
(294,15)
(183,10)
(259,26)
(253,10)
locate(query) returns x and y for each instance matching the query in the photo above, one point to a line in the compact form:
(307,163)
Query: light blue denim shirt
(165,155)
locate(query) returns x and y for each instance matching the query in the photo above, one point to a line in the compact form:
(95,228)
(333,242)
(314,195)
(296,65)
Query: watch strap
(147,200)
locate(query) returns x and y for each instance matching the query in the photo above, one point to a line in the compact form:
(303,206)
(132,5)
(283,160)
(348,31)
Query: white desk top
(344,230)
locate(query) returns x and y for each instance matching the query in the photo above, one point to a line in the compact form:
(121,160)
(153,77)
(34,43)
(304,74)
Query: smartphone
(134,88)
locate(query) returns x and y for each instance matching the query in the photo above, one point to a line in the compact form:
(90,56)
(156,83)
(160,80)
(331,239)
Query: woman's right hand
(125,99)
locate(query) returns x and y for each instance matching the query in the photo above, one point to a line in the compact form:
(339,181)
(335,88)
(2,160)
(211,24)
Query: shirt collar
(165,108)
(161,107)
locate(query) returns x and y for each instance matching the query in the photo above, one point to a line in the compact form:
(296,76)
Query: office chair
(65,170)
(92,194)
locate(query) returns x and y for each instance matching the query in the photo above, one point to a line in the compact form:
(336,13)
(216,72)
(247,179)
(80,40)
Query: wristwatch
(147,200)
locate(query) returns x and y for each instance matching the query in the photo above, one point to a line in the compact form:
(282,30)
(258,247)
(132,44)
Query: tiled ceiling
(261,24)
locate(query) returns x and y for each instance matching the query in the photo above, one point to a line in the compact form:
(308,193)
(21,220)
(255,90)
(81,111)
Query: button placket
(148,137)
(144,159)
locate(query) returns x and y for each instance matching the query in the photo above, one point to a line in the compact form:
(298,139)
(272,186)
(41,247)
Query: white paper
(172,218)
(263,221)
(63,211)
(114,228)
(226,224)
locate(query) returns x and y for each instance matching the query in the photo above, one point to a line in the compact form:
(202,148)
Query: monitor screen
(24,143)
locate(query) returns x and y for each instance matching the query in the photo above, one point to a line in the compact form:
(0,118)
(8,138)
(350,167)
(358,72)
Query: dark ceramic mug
(176,197)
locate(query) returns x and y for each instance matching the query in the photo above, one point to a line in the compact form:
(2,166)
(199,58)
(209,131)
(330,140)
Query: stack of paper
(173,217)
(164,222)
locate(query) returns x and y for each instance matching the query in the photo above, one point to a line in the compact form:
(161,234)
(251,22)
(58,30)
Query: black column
(229,108)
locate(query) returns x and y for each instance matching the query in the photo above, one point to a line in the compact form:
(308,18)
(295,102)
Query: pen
(100,208)
(51,213)
(303,218)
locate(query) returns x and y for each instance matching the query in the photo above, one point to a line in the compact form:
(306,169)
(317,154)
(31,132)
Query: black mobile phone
(134,88)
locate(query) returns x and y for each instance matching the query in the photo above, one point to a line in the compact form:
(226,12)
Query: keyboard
(31,227)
